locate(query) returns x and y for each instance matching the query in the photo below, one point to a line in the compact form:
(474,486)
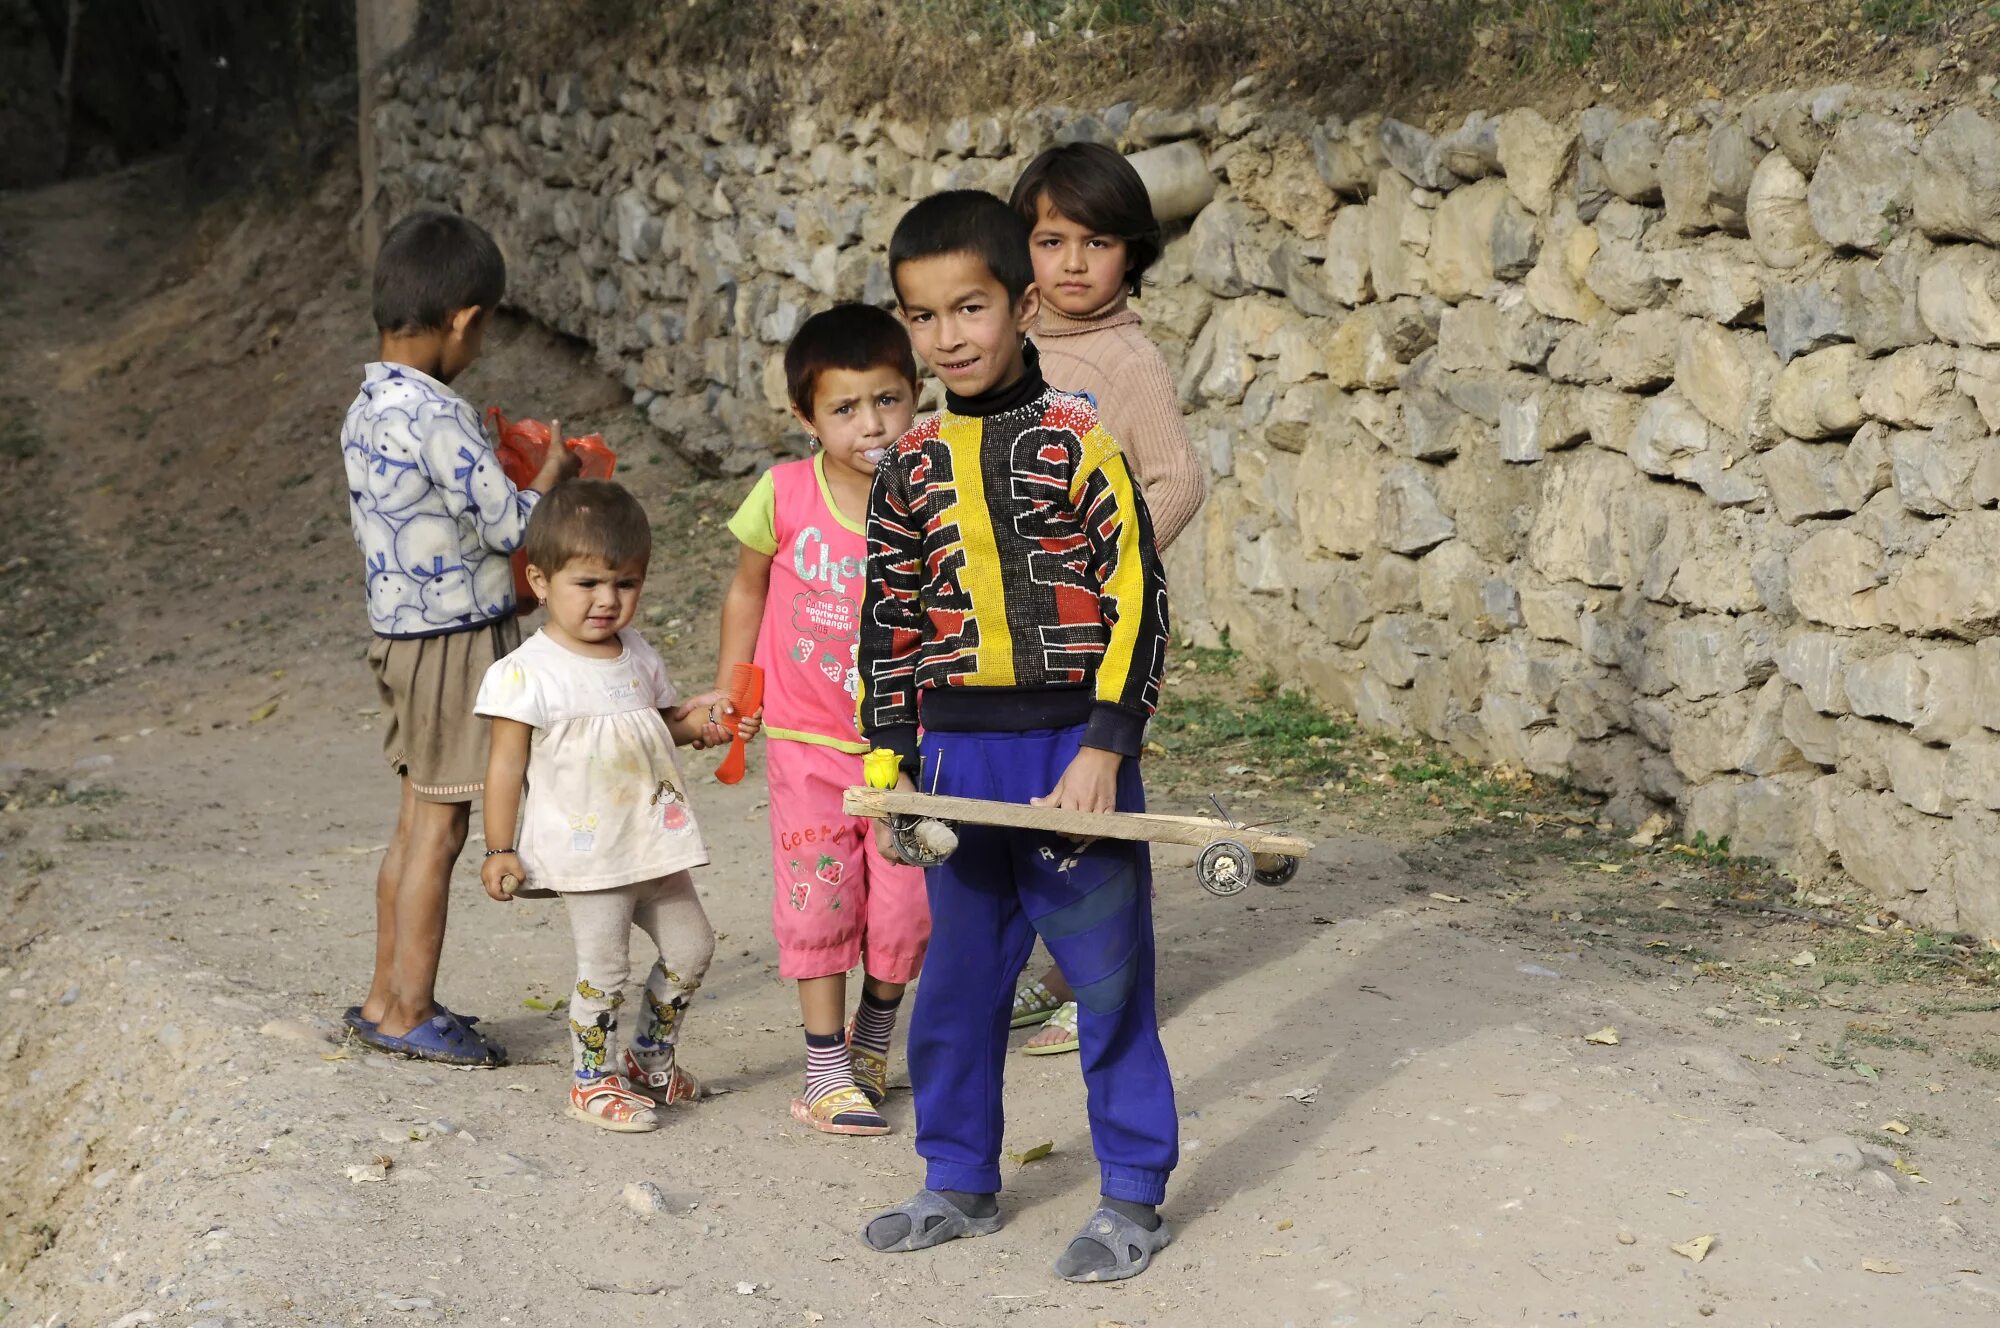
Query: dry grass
(933,57)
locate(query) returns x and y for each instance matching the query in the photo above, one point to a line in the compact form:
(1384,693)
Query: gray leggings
(669,911)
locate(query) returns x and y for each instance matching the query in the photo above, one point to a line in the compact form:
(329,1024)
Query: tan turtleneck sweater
(1106,356)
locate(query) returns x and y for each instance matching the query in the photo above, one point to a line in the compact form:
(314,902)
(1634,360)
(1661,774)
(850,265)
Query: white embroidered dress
(606,802)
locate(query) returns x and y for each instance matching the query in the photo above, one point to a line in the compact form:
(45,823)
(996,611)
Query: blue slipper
(440,1039)
(352,1017)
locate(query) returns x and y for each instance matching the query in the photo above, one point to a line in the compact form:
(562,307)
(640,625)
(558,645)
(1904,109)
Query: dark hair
(431,265)
(587,519)
(965,221)
(847,336)
(1095,187)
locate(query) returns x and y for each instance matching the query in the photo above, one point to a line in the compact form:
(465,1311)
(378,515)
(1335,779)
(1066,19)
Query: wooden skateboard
(1230,854)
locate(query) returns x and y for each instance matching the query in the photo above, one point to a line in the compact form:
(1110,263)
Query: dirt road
(1391,1113)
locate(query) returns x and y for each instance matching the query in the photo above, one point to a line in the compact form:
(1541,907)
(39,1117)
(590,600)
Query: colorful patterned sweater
(1012,582)
(433,513)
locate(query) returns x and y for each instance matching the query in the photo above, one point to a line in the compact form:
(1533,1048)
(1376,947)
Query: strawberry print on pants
(836,899)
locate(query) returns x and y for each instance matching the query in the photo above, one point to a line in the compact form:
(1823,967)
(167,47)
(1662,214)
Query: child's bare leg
(823,1004)
(880,990)
(433,835)
(388,881)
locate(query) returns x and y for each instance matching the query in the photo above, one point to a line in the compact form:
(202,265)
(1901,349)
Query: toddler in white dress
(586,718)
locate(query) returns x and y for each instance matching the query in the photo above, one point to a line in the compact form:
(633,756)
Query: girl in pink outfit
(794,607)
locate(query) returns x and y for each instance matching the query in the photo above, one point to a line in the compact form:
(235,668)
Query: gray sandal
(933,1220)
(1130,1245)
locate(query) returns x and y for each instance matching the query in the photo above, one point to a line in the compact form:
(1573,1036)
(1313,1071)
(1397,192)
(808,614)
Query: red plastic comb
(746,694)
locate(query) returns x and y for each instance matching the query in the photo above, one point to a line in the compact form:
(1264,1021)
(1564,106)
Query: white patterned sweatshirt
(431,510)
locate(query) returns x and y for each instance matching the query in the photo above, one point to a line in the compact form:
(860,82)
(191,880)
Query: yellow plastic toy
(881,768)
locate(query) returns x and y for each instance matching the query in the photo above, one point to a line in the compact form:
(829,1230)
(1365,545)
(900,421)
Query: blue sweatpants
(1093,908)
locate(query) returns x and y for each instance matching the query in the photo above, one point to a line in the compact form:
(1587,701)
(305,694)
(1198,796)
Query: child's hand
(502,874)
(1090,784)
(885,838)
(569,464)
(751,724)
(559,465)
(705,733)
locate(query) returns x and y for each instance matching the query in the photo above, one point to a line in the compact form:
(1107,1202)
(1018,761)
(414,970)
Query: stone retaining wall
(1654,453)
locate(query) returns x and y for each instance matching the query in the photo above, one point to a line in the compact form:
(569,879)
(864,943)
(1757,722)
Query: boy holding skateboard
(1015,608)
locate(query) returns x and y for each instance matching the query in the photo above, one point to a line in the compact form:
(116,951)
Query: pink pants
(837,897)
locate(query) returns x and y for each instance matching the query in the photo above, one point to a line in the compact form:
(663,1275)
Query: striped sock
(827,1066)
(875,1022)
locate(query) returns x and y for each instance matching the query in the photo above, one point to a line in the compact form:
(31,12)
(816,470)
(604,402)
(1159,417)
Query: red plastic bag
(524,446)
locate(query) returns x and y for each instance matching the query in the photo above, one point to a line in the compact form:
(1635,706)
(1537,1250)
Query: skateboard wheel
(1225,868)
(911,845)
(1276,868)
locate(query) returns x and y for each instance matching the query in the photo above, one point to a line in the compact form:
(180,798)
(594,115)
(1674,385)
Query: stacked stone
(1655,453)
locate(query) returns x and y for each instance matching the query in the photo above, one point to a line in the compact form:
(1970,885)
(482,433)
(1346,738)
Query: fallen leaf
(1866,1071)
(1033,1153)
(1895,1127)
(1627,1238)
(1606,1036)
(1649,831)
(263,712)
(1678,1194)
(1880,1266)
(814,1316)
(1449,899)
(1696,1249)
(1236,770)
(1935,1088)
(1804,959)
(1303,1094)
(1284,1224)
(1271,1253)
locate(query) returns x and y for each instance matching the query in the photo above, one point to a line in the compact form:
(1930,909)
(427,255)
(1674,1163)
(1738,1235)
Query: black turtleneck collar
(1001,399)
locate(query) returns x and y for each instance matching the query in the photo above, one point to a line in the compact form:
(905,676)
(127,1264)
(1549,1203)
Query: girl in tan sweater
(1092,236)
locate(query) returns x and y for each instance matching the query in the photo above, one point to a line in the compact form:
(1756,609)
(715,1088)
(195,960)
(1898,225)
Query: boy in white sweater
(435,519)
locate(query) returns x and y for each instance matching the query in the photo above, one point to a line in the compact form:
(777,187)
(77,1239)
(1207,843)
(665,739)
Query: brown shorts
(428,685)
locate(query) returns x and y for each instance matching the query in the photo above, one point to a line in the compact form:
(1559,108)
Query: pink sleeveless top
(812,610)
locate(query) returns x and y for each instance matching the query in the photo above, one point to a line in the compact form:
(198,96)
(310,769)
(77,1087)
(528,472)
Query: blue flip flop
(351,1016)
(440,1039)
